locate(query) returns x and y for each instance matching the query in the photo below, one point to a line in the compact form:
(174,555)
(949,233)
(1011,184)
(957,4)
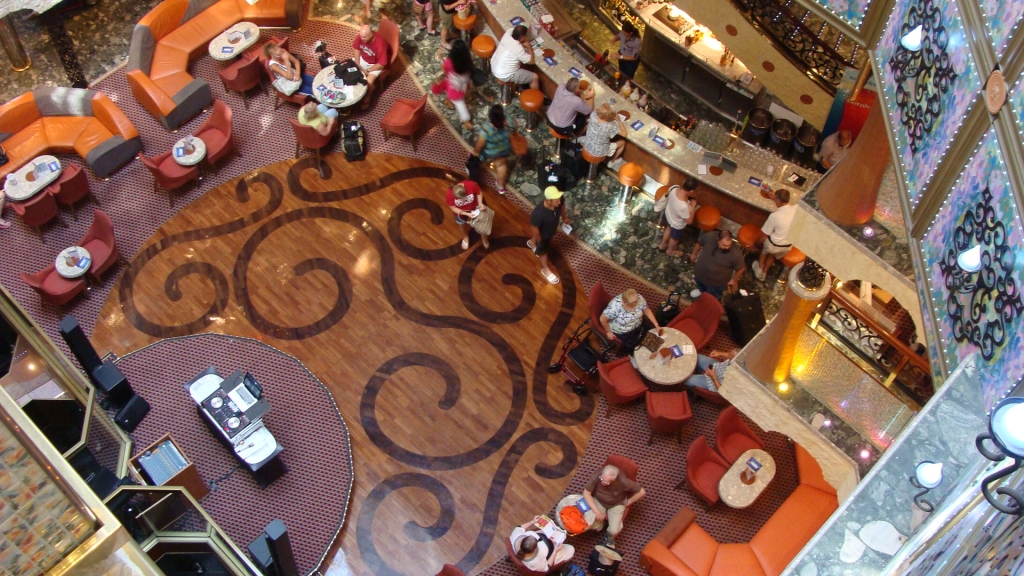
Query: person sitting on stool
(567,114)
(775,234)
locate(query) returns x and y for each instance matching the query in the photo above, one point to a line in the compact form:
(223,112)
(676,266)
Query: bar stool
(792,258)
(748,236)
(483,47)
(531,101)
(707,218)
(507,89)
(465,25)
(662,221)
(595,164)
(667,413)
(558,143)
(630,175)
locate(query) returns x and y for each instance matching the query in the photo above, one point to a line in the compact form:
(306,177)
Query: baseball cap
(552,193)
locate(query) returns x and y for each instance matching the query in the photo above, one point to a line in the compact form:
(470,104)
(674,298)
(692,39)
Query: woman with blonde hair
(623,319)
(466,201)
(604,125)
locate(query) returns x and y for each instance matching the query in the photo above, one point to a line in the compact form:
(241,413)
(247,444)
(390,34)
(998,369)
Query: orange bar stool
(483,46)
(595,163)
(707,218)
(792,258)
(630,175)
(662,221)
(465,26)
(667,413)
(531,101)
(558,143)
(748,236)
(507,90)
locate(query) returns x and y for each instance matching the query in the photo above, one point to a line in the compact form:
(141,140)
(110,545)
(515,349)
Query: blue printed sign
(516,21)
(636,125)
(575,72)
(550,61)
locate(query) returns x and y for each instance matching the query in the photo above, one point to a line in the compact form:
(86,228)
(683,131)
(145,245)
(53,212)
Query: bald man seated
(608,494)
(372,56)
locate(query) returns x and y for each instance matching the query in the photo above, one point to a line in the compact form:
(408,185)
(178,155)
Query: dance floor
(437,357)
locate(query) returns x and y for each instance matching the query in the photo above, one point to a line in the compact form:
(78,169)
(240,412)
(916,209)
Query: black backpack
(668,310)
(353,140)
(349,73)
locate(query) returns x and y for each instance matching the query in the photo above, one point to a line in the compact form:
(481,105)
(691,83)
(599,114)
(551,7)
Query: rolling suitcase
(746,317)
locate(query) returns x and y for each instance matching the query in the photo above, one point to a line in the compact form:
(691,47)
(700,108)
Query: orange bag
(573,520)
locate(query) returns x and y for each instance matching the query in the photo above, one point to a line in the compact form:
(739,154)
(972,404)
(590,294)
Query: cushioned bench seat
(65,121)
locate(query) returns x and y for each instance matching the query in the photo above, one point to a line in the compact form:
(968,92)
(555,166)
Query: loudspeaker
(272,551)
(112,381)
(79,344)
(132,413)
(746,317)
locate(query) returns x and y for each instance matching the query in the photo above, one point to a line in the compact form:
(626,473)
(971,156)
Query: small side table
(73,262)
(731,488)
(190,151)
(234,41)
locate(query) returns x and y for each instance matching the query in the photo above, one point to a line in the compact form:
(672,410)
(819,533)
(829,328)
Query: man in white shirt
(833,149)
(538,552)
(775,234)
(679,210)
(509,56)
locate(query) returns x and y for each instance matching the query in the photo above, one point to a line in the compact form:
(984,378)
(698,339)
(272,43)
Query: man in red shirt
(372,56)
(464,200)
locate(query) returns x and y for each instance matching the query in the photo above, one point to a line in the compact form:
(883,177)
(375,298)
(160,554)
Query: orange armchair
(699,320)
(404,118)
(732,435)
(167,173)
(37,212)
(71,186)
(704,470)
(667,413)
(308,137)
(52,287)
(99,241)
(620,382)
(216,133)
(522,567)
(393,36)
(243,76)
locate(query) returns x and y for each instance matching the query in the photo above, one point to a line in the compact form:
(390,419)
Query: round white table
(73,262)
(234,41)
(734,492)
(189,151)
(30,179)
(330,94)
(571,500)
(673,371)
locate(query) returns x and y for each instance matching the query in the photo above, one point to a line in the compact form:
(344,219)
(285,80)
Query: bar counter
(731,193)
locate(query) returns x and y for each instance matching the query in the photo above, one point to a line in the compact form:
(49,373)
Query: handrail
(877,328)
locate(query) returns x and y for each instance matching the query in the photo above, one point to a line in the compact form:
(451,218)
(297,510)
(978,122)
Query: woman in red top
(465,200)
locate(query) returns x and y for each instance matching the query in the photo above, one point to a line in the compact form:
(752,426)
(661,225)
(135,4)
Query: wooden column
(849,193)
(770,357)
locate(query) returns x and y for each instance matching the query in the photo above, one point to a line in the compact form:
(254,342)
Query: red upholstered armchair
(393,36)
(308,137)
(522,567)
(167,173)
(52,287)
(216,133)
(732,435)
(699,320)
(704,469)
(71,186)
(243,75)
(37,212)
(598,300)
(620,382)
(99,241)
(449,570)
(626,466)
(404,118)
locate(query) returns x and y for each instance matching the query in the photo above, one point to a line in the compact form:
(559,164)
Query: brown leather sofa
(66,120)
(178,31)
(683,548)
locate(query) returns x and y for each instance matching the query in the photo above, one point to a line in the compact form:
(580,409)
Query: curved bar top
(731,193)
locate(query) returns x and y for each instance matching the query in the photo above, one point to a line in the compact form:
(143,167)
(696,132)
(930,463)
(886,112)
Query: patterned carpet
(311,498)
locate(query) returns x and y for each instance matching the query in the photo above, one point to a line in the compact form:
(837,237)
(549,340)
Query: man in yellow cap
(543,224)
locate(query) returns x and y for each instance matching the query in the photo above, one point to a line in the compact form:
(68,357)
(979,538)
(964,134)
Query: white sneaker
(529,243)
(758,273)
(695,294)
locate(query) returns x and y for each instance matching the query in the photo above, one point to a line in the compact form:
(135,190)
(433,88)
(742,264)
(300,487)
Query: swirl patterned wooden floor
(436,357)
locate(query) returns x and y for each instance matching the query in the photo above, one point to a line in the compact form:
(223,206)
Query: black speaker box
(112,381)
(746,317)
(132,413)
(79,344)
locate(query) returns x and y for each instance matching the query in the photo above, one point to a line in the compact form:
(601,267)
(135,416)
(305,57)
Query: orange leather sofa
(64,121)
(178,31)
(683,548)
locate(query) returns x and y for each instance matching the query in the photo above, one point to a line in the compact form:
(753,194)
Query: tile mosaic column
(770,356)
(849,193)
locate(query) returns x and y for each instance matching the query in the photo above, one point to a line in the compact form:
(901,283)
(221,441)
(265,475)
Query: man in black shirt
(544,224)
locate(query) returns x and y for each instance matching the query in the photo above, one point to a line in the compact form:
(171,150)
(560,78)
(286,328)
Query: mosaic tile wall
(1002,17)
(850,11)
(927,93)
(980,313)
(38,524)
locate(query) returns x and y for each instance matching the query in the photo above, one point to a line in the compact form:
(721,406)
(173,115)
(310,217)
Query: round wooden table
(675,370)
(734,492)
(30,179)
(329,94)
(73,262)
(234,41)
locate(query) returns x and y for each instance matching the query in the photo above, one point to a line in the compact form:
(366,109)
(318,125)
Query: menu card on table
(516,21)
(575,72)
(636,125)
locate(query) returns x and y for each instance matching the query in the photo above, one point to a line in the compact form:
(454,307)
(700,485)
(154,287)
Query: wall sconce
(912,40)
(968,263)
(927,475)
(1006,431)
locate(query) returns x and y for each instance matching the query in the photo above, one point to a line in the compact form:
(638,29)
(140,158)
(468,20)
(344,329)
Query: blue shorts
(676,233)
(460,219)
